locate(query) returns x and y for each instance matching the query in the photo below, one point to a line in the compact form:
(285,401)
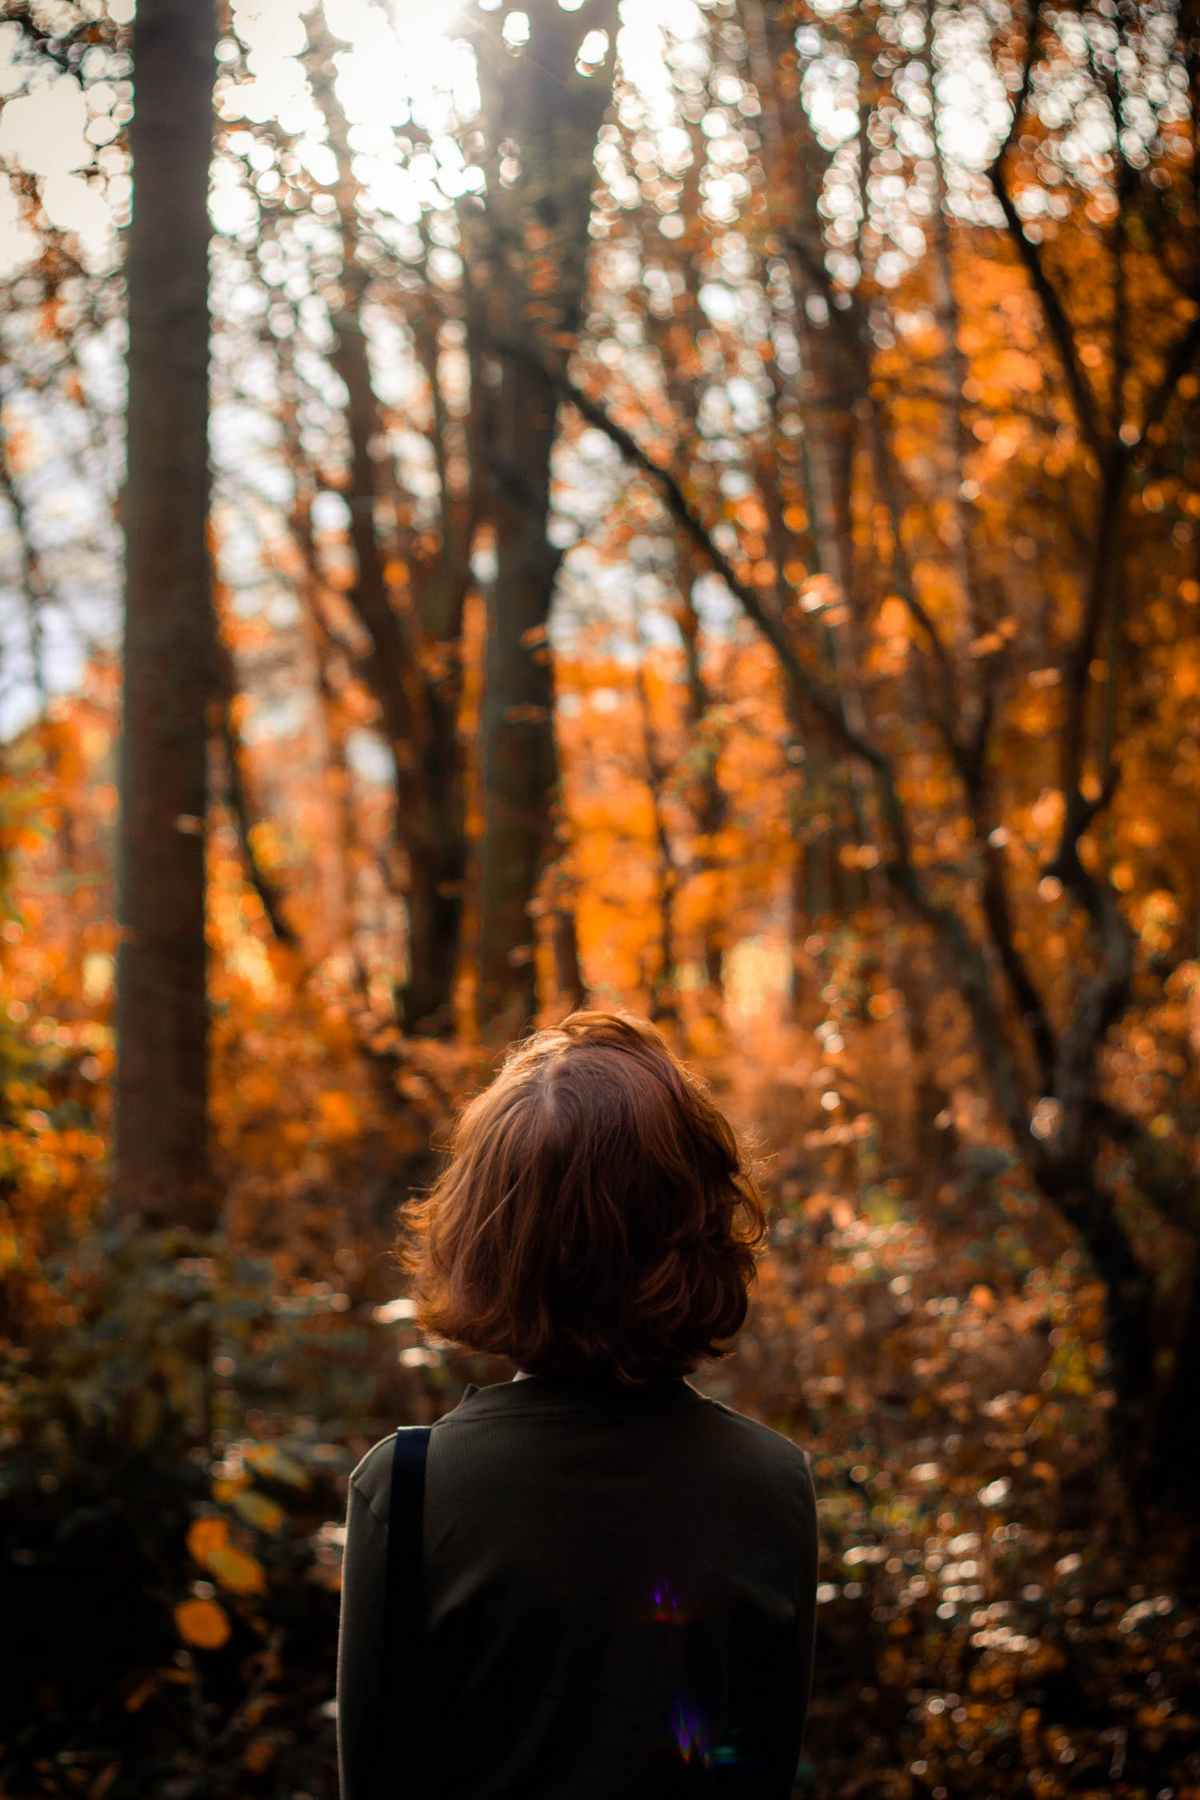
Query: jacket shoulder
(771,1447)
(371,1477)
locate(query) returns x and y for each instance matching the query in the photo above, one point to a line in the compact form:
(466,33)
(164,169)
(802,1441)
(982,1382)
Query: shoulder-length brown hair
(598,1214)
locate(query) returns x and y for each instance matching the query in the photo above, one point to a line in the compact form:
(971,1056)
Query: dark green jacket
(620,1596)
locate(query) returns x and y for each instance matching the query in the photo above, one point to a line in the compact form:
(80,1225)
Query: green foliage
(170,1568)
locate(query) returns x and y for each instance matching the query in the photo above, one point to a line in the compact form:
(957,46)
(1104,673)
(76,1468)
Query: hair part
(598,1213)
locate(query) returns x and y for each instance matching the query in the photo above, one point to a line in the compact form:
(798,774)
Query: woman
(619,1571)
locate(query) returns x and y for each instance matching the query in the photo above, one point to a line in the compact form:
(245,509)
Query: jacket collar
(538,1392)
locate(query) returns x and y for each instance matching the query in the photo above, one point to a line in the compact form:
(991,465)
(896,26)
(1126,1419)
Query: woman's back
(619,1573)
(620,1590)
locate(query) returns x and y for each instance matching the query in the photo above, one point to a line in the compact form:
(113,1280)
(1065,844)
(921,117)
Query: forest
(684,506)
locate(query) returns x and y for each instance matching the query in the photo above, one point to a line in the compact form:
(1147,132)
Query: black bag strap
(404,1610)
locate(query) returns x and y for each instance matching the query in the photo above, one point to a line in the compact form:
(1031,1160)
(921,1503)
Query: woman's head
(597,1214)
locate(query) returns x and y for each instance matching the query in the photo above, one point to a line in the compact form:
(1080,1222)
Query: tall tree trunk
(440,587)
(830,385)
(161,1166)
(528,264)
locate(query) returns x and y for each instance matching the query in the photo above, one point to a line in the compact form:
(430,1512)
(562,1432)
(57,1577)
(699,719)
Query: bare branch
(238,799)
(1080,388)
(805,688)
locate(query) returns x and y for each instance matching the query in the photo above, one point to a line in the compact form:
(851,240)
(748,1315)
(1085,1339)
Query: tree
(409,598)
(949,701)
(161,1166)
(527,257)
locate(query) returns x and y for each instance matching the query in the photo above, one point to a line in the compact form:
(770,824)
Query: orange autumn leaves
(203,1621)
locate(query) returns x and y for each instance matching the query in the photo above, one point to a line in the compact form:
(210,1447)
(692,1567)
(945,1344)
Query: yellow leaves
(202,1623)
(208,1542)
(206,1535)
(258,1510)
(893,620)
(236,1570)
(819,591)
(1037,713)
(1046,812)
(858,856)
(97,974)
(275,966)
(264,841)
(987,645)
(748,512)
(269,1460)
(339,1115)
(1014,371)
(1185,677)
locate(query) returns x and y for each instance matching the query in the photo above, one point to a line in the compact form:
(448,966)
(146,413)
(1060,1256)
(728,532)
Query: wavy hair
(598,1213)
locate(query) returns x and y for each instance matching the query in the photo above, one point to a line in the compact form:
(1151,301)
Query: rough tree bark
(527,263)
(161,1163)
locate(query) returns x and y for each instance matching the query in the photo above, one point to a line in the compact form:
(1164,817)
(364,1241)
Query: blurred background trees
(691,505)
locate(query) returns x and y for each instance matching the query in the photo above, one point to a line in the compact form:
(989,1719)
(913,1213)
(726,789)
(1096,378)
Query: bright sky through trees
(413,65)
(410,62)
(410,68)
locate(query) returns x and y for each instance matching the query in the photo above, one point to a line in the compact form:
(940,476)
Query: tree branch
(1163,1173)
(805,688)
(1084,399)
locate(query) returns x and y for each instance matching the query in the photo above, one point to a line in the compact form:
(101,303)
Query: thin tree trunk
(709,803)
(570,985)
(831,386)
(664,977)
(418,711)
(238,801)
(161,1166)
